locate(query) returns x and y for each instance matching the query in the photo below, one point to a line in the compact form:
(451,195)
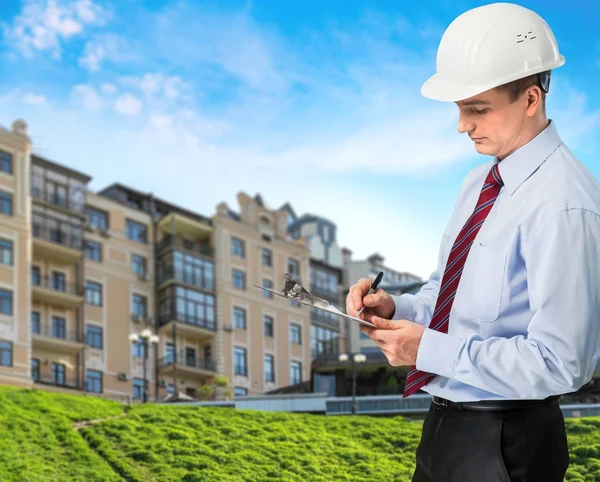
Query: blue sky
(316,103)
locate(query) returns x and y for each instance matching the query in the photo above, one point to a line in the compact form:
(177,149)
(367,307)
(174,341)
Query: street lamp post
(355,358)
(147,338)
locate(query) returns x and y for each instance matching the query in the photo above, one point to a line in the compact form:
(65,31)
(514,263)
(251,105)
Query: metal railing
(183,360)
(64,383)
(64,234)
(51,283)
(58,334)
(58,200)
(379,404)
(197,247)
(188,320)
(170,273)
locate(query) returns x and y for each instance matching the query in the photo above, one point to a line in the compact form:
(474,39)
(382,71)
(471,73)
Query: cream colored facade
(86,270)
(247,347)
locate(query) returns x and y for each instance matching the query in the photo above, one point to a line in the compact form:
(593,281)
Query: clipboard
(294,291)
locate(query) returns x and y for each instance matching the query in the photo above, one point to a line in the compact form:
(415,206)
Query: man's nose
(464,125)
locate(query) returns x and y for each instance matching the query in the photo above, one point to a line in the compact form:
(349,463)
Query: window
(140,304)
(188,269)
(97,218)
(6,252)
(170,353)
(6,352)
(239,279)
(58,373)
(6,203)
(241,391)
(6,162)
(94,336)
(239,318)
(93,251)
(35,370)
(295,334)
(323,340)
(324,281)
(267,284)
(138,388)
(269,369)
(237,247)
(190,357)
(59,282)
(293,267)
(170,389)
(93,293)
(35,322)
(295,372)
(93,382)
(187,306)
(6,302)
(139,349)
(136,231)
(58,327)
(268,320)
(267,257)
(138,264)
(36,277)
(239,361)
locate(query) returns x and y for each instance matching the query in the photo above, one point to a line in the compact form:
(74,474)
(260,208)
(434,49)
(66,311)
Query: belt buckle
(441,401)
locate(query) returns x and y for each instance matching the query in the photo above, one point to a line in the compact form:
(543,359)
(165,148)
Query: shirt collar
(518,166)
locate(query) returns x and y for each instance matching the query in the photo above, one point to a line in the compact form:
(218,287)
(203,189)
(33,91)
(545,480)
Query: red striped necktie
(454,268)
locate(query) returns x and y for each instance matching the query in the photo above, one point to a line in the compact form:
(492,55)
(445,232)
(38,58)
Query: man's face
(493,122)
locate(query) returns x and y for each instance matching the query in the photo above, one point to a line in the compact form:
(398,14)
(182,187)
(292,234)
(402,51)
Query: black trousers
(500,446)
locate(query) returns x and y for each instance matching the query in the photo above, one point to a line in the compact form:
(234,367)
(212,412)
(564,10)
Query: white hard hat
(489,46)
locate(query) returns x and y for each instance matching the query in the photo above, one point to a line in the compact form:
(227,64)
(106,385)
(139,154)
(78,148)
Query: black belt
(495,405)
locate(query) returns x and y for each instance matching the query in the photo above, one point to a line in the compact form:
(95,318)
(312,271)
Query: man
(509,320)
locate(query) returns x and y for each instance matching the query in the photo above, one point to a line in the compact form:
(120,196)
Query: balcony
(196,247)
(188,325)
(65,295)
(180,225)
(325,318)
(58,340)
(70,383)
(56,239)
(188,365)
(193,276)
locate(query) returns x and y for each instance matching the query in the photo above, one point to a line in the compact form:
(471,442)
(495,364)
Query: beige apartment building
(81,272)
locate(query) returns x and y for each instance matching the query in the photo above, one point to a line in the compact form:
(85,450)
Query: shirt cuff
(403,310)
(437,353)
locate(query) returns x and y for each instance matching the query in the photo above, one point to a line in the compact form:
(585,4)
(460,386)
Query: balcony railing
(325,318)
(183,360)
(64,382)
(60,334)
(170,273)
(61,200)
(317,290)
(188,320)
(51,283)
(58,232)
(197,247)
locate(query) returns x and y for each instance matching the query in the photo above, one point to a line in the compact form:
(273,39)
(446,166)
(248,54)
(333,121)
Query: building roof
(67,171)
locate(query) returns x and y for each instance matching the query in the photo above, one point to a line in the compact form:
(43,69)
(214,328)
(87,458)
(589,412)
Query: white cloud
(109,89)
(88,97)
(159,86)
(128,104)
(102,48)
(34,99)
(44,24)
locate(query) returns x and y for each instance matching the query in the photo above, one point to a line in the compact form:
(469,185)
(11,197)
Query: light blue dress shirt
(525,322)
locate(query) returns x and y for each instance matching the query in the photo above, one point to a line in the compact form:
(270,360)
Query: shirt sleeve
(419,307)
(559,352)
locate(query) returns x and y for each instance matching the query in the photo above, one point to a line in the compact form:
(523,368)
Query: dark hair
(517,87)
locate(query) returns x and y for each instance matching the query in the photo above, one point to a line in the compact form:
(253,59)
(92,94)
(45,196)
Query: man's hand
(379,303)
(399,340)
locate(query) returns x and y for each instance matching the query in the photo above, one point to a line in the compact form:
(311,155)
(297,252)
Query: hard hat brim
(437,88)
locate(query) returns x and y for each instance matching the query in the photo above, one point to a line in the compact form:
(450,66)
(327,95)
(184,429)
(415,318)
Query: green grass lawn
(166,443)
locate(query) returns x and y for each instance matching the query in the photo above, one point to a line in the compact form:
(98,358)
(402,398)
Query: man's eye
(480,111)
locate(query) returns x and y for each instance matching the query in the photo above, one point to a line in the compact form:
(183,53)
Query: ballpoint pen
(372,290)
